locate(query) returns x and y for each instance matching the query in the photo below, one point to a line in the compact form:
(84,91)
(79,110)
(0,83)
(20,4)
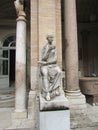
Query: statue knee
(44,71)
(58,70)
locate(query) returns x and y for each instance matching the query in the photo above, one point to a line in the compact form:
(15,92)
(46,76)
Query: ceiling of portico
(87,10)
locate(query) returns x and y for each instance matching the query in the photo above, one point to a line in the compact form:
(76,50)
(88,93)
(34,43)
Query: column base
(19,115)
(76,99)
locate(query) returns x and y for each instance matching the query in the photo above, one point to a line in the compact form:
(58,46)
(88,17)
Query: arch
(7,59)
(8,40)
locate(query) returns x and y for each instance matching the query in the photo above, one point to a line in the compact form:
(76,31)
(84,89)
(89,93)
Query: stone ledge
(19,129)
(19,115)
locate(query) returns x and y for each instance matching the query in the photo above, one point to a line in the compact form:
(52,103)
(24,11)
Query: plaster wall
(45,19)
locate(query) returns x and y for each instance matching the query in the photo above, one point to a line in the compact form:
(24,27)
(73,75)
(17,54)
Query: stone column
(71,49)
(71,52)
(20,81)
(20,84)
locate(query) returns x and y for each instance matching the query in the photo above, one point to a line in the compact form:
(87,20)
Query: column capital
(21,18)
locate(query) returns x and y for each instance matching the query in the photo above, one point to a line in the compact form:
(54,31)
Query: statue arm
(53,59)
(45,53)
(42,62)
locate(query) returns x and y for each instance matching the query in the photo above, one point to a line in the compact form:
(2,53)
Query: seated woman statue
(50,71)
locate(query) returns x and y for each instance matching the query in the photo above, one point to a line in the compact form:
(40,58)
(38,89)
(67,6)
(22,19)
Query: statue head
(50,38)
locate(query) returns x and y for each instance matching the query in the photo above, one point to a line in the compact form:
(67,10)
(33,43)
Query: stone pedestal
(54,114)
(55,120)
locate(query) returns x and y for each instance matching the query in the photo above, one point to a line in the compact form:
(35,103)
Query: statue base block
(54,114)
(58,103)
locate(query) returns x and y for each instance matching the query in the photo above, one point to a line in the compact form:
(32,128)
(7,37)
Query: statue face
(50,39)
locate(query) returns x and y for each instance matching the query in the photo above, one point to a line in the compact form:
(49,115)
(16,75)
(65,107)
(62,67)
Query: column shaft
(20,84)
(71,47)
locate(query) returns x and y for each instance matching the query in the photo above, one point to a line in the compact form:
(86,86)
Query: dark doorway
(12,67)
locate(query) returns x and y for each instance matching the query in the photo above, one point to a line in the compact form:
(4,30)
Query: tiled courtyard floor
(83,120)
(86,120)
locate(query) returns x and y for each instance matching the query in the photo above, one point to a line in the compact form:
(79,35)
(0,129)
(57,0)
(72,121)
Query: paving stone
(80,120)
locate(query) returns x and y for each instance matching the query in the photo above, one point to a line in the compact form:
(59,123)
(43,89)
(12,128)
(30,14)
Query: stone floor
(86,119)
(80,120)
(7,101)
(7,97)
(5,117)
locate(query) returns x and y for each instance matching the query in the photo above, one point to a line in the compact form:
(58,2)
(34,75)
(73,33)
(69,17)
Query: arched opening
(7,62)
(12,67)
(12,53)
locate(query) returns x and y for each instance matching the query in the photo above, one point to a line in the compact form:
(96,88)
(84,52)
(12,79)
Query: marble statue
(19,5)
(49,70)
